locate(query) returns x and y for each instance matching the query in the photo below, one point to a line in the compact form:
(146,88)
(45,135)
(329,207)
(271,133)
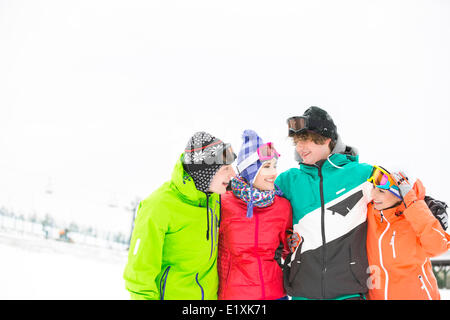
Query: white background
(99,97)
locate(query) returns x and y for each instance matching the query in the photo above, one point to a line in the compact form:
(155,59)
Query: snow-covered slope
(34,268)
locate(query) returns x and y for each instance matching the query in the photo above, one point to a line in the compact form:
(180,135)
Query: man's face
(310,152)
(221,179)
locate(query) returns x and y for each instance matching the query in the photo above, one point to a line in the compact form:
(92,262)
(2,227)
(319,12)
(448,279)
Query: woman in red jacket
(252,233)
(402,237)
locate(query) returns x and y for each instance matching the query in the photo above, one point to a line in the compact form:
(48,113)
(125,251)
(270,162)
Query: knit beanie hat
(251,143)
(204,155)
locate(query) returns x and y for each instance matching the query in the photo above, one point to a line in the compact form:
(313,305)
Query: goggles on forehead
(263,153)
(382,179)
(228,156)
(222,154)
(300,123)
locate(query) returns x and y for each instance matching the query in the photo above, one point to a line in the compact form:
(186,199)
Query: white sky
(98,98)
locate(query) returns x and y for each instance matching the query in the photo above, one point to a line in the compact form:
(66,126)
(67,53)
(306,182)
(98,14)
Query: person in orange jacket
(402,236)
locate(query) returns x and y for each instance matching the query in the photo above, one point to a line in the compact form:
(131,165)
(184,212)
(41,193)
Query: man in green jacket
(173,249)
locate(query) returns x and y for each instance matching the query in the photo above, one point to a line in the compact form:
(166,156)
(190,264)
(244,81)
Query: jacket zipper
(392,243)
(380,252)
(263,290)
(207,215)
(322,225)
(211,231)
(424,287)
(201,288)
(162,286)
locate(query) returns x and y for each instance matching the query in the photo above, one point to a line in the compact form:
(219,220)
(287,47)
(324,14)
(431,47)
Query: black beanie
(321,122)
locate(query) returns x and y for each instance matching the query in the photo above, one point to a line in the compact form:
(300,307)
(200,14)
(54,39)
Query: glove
(279,254)
(293,240)
(438,209)
(402,182)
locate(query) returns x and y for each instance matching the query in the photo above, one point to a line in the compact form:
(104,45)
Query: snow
(35,268)
(445,294)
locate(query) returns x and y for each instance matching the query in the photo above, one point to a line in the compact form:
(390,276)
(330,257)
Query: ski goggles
(264,153)
(227,156)
(300,123)
(222,154)
(381,179)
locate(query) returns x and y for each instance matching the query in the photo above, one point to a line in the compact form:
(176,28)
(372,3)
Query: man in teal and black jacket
(329,195)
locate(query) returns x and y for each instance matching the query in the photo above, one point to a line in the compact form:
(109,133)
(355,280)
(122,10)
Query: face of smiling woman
(383,199)
(266,175)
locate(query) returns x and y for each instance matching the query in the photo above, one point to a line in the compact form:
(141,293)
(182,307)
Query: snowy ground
(34,268)
(445,294)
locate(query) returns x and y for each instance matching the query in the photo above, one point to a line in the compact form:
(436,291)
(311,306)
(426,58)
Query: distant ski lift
(49,188)
(113,202)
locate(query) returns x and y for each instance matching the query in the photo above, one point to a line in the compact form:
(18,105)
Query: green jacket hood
(183,183)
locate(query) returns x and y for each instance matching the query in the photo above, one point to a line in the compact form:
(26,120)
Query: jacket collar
(391,214)
(336,160)
(185,185)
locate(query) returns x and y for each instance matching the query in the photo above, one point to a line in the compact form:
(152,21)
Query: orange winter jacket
(400,242)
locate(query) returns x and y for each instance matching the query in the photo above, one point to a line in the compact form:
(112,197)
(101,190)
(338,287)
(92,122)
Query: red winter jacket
(246,261)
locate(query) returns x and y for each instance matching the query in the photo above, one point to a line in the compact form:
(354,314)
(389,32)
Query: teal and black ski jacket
(329,201)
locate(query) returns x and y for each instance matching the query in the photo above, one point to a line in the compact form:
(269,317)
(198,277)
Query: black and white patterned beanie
(203,158)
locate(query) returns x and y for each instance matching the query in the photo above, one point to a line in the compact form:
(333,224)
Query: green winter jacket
(329,203)
(173,249)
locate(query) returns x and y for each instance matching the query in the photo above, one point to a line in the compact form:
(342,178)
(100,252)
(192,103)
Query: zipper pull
(392,243)
(424,287)
(381,216)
